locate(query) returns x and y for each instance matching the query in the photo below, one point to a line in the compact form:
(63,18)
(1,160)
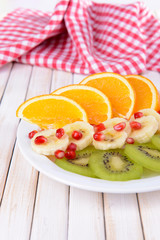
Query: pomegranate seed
(98,136)
(70,154)
(31,134)
(135,125)
(158,112)
(40,140)
(59,154)
(72,147)
(130,140)
(59,133)
(138,115)
(100,127)
(119,126)
(77,135)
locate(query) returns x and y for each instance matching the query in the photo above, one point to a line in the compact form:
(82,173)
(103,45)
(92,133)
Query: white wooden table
(32,206)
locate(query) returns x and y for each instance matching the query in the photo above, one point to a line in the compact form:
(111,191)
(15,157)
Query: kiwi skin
(71,166)
(138,153)
(156,141)
(129,172)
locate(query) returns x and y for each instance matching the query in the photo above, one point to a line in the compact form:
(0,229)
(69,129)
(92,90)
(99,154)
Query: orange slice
(117,89)
(94,102)
(49,111)
(147,95)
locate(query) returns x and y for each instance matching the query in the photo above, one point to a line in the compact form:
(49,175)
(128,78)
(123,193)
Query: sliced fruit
(147,95)
(145,155)
(49,111)
(155,140)
(80,164)
(114,165)
(143,129)
(86,131)
(111,123)
(109,139)
(117,89)
(152,112)
(52,143)
(94,102)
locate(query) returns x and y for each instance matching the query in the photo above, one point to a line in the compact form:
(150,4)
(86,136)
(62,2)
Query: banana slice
(52,144)
(152,112)
(87,133)
(149,128)
(113,139)
(110,123)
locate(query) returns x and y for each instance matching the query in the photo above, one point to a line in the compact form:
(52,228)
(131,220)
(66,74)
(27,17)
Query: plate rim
(76,180)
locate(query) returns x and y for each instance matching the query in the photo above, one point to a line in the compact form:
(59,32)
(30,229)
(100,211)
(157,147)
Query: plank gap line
(68,211)
(6,83)
(8,170)
(104,220)
(140,216)
(34,204)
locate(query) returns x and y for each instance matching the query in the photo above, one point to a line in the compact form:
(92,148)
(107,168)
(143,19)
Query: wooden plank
(4,75)
(14,95)
(60,79)
(17,205)
(51,209)
(19,195)
(78,78)
(86,220)
(122,217)
(150,214)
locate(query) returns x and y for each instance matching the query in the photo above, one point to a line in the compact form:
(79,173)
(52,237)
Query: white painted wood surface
(35,207)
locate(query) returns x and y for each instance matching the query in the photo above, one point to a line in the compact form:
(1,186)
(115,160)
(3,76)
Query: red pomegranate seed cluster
(40,140)
(77,135)
(99,128)
(31,134)
(130,140)
(70,152)
(59,133)
(135,125)
(138,115)
(99,136)
(120,126)
(59,154)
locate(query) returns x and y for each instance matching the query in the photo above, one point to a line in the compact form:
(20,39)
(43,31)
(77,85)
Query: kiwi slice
(156,141)
(114,165)
(78,165)
(144,154)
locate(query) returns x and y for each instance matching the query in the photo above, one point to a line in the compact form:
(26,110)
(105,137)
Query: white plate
(44,165)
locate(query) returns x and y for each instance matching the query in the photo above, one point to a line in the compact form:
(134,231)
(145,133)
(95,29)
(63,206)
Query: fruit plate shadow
(44,165)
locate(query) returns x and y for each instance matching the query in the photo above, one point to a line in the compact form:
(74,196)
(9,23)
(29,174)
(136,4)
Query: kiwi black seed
(114,165)
(78,165)
(144,154)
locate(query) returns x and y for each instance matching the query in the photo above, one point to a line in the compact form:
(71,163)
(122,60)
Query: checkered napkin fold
(83,37)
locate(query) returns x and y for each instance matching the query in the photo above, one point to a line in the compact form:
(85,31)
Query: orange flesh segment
(52,113)
(145,96)
(93,104)
(117,92)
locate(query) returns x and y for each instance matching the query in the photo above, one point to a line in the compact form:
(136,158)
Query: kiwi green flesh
(78,165)
(156,141)
(114,165)
(146,156)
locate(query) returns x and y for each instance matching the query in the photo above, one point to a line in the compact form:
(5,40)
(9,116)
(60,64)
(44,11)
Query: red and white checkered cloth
(83,37)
